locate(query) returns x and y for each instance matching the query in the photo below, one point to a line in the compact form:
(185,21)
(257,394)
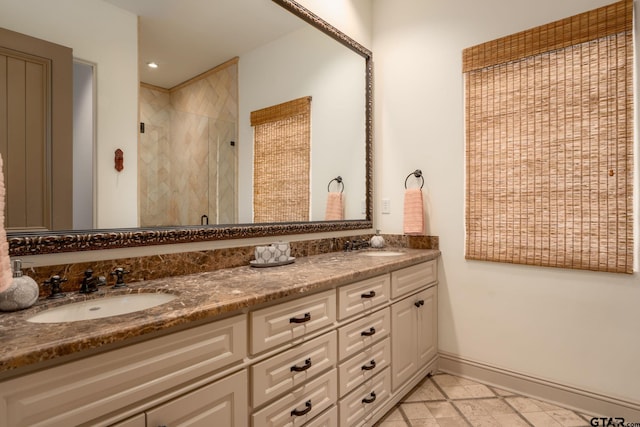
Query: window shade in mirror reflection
(281,152)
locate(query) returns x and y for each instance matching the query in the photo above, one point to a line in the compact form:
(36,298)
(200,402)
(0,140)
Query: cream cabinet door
(222,403)
(403,341)
(413,334)
(427,328)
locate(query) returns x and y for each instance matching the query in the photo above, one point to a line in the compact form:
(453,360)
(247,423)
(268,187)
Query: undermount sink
(382,253)
(101,307)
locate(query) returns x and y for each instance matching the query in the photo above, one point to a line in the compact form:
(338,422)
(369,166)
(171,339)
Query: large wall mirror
(277,51)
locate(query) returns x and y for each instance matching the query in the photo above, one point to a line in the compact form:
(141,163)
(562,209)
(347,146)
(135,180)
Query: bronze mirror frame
(36,243)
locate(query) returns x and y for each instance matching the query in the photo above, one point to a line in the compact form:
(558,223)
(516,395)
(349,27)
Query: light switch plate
(386,206)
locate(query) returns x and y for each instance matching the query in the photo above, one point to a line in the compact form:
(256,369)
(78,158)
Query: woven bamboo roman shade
(549,144)
(281,156)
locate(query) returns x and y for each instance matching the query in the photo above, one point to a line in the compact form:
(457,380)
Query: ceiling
(188,37)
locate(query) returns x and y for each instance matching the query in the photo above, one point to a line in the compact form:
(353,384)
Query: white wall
(352,17)
(107,36)
(572,327)
(308,63)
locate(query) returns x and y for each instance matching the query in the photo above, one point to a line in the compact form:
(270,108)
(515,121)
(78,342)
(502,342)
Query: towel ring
(338,179)
(418,174)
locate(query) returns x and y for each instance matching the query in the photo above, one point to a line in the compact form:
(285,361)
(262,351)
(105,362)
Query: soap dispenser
(377,241)
(22,293)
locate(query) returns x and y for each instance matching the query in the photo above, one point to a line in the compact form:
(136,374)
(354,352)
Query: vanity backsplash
(177,264)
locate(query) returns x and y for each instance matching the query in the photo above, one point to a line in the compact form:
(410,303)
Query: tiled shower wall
(187,154)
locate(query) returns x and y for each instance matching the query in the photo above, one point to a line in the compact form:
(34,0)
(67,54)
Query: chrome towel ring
(338,179)
(418,174)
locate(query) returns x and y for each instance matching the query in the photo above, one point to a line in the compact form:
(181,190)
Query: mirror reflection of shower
(187,156)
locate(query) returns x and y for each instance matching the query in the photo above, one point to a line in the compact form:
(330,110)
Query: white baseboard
(583,401)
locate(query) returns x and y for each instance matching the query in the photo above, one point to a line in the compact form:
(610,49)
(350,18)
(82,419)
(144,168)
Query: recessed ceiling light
(152,65)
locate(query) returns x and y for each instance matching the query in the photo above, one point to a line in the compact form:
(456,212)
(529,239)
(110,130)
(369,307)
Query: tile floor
(444,400)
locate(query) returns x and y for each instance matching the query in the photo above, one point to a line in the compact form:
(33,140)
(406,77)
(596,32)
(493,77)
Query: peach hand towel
(335,209)
(413,211)
(6,277)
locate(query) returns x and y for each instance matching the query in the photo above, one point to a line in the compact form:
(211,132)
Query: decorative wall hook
(119,160)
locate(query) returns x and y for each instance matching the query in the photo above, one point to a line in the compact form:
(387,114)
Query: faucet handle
(88,283)
(55,282)
(119,273)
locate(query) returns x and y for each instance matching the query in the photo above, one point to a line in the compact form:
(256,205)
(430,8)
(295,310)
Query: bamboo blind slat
(549,157)
(282,161)
(587,26)
(280,111)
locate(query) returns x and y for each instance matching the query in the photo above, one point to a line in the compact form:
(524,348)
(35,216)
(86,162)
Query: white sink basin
(101,307)
(382,253)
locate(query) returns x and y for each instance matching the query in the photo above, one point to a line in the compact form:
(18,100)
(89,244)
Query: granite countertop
(203,296)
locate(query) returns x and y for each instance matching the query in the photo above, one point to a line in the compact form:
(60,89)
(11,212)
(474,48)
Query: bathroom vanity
(331,340)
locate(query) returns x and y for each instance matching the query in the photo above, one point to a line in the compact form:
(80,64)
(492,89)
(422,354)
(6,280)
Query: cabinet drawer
(411,278)
(83,390)
(222,403)
(300,405)
(284,322)
(365,365)
(364,295)
(365,399)
(137,421)
(327,419)
(360,334)
(284,371)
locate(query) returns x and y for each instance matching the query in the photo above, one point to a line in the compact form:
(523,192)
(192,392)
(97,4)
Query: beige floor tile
(457,392)
(471,408)
(484,421)
(523,404)
(430,391)
(415,411)
(452,422)
(442,409)
(446,380)
(501,392)
(510,420)
(567,418)
(467,391)
(394,423)
(427,391)
(424,422)
(394,415)
(496,406)
(479,390)
(545,406)
(541,419)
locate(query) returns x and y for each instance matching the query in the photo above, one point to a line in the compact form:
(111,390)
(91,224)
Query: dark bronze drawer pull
(368,333)
(370,366)
(306,318)
(307,365)
(370,399)
(419,303)
(370,294)
(296,413)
